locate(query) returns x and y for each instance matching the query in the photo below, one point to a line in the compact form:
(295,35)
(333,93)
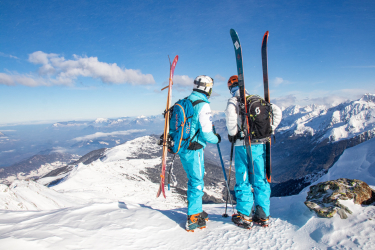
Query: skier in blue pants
(253,190)
(192,158)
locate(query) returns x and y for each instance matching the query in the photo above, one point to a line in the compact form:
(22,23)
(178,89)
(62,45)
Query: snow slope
(114,210)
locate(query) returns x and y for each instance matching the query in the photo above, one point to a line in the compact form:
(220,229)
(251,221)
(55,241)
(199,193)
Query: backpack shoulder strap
(197,102)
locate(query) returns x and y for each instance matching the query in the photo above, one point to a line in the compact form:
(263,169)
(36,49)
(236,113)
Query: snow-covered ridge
(344,121)
(118,175)
(34,174)
(98,203)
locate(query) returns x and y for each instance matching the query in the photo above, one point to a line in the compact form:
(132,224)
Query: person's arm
(277,115)
(231,116)
(205,119)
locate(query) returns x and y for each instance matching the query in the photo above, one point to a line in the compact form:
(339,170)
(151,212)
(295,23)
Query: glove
(232,138)
(218,138)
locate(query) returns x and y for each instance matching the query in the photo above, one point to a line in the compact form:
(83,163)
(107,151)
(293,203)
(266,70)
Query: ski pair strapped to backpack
(179,116)
(244,103)
(166,128)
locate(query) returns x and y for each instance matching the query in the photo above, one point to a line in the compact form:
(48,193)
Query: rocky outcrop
(324,198)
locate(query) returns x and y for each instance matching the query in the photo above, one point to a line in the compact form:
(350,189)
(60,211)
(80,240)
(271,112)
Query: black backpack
(260,117)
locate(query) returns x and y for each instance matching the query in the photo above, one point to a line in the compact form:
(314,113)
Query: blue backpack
(181,115)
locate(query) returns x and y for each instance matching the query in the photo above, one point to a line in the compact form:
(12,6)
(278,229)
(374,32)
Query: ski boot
(195,221)
(204,216)
(242,220)
(260,217)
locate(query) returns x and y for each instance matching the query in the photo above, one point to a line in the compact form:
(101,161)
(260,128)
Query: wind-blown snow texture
(108,204)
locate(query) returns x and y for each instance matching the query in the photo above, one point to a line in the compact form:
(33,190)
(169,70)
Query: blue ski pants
(262,190)
(193,163)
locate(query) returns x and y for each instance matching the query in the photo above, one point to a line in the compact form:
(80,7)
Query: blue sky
(66,60)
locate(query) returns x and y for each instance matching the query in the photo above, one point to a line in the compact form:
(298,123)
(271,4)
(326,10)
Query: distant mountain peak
(368,98)
(101,120)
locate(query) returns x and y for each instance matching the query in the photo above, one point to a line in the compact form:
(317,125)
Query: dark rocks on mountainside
(295,157)
(295,186)
(34,163)
(324,198)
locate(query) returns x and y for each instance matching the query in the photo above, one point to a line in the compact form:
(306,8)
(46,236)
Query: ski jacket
(234,119)
(202,121)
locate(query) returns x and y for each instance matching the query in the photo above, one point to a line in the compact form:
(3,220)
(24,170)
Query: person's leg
(242,189)
(193,163)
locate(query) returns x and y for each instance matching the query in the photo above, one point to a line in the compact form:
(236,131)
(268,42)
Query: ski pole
(230,170)
(169,173)
(222,166)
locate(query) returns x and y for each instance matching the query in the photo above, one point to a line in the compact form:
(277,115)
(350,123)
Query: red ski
(166,129)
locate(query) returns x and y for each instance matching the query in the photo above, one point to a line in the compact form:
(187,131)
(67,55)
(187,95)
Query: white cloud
(320,97)
(102,135)
(285,101)
(220,78)
(60,150)
(6,79)
(40,57)
(278,80)
(8,151)
(6,55)
(184,81)
(214,94)
(56,70)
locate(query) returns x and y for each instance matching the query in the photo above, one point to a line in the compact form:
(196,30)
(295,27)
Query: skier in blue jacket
(192,158)
(256,189)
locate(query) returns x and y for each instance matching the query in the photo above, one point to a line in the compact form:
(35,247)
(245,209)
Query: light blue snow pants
(262,189)
(193,163)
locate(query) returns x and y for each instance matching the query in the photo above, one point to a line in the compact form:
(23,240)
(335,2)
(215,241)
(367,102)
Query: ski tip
(265,37)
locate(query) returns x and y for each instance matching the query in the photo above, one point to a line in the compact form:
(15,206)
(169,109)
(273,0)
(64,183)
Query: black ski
(243,103)
(267,99)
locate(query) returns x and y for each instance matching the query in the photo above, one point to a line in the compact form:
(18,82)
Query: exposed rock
(324,198)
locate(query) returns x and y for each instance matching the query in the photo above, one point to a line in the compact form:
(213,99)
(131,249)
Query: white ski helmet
(204,84)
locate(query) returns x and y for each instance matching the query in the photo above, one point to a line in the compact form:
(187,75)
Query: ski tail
(267,99)
(166,129)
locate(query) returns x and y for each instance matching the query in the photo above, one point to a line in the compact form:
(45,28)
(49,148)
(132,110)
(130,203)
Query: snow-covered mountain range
(135,163)
(309,140)
(342,122)
(107,201)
